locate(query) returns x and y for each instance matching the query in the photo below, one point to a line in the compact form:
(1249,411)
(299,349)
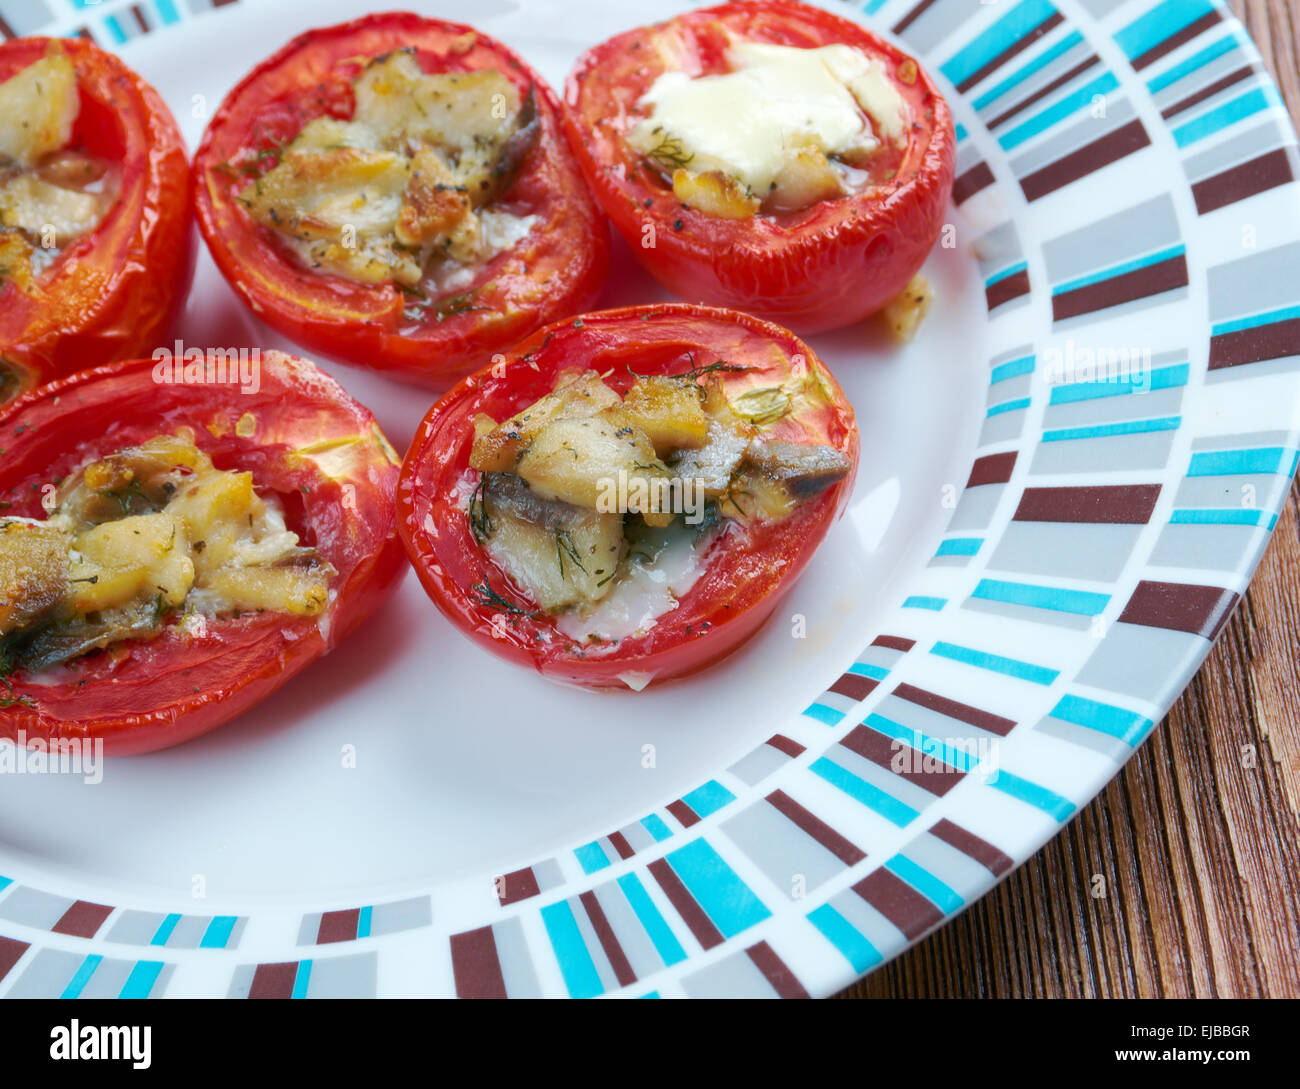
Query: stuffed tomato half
(768,156)
(172,551)
(627,496)
(95,250)
(396,192)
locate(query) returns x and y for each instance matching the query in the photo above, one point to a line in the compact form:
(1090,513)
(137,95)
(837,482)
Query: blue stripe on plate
(1261,98)
(1058,111)
(725,898)
(844,936)
(1160,23)
(363,922)
(923,743)
(1262,459)
(591,857)
(1039,797)
(1136,263)
(925,883)
(665,941)
(1213,51)
(1010,270)
(1012,667)
(142,979)
(1254,321)
(865,669)
(1222,516)
(1128,726)
(860,790)
(708,798)
(1161,378)
(301,979)
(218,932)
(920,601)
(822,713)
(960,546)
(654,824)
(81,977)
(576,965)
(1011,369)
(996,39)
(1008,406)
(164,930)
(1036,65)
(1079,602)
(1102,431)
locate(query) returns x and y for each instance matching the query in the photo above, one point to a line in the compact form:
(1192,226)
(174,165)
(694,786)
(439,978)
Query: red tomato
(303,439)
(112,293)
(824,267)
(738,588)
(557,270)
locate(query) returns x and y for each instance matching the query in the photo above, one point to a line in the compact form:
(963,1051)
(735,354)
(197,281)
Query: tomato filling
(51,193)
(409,190)
(149,536)
(783,128)
(602,508)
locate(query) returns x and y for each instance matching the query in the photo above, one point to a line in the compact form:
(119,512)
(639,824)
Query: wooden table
(1197,841)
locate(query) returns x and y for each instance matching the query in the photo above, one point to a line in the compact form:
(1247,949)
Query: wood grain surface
(1183,877)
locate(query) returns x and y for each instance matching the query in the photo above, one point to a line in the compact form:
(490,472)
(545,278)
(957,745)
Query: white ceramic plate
(1034,563)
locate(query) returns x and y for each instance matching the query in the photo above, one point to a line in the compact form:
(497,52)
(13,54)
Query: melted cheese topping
(747,124)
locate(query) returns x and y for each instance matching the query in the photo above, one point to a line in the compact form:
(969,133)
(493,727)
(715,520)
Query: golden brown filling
(577,489)
(409,182)
(151,531)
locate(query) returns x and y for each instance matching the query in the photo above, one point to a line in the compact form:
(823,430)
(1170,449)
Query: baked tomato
(396,192)
(768,156)
(627,496)
(175,545)
(95,247)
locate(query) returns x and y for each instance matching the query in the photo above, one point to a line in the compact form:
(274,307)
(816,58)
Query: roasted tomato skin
(303,438)
(113,293)
(739,587)
(824,267)
(558,270)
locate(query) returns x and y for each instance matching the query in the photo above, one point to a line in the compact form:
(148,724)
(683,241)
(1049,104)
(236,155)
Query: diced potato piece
(576,394)
(582,461)
(806,176)
(141,557)
(37,109)
(715,194)
(557,565)
(218,510)
(905,313)
(669,412)
(33,573)
(298,591)
(30,204)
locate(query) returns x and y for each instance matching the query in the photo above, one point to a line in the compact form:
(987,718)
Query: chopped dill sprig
(669,152)
(479,521)
(488,596)
(564,546)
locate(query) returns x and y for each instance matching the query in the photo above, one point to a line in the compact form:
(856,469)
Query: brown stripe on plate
(621,845)
(608,940)
(893,642)
(1276,340)
(692,914)
(783,744)
(971,182)
(962,712)
(1091,157)
(475,965)
(885,752)
(775,971)
(140,20)
(10,950)
(854,686)
(338,926)
(848,853)
(1190,31)
(6,32)
(1180,606)
(1018,46)
(686,816)
(912,16)
(1115,504)
(1006,289)
(992,469)
(1208,92)
(1242,181)
(517,885)
(1044,91)
(1139,284)
(898,902)
(82,920)
(969,844)
(273,980)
